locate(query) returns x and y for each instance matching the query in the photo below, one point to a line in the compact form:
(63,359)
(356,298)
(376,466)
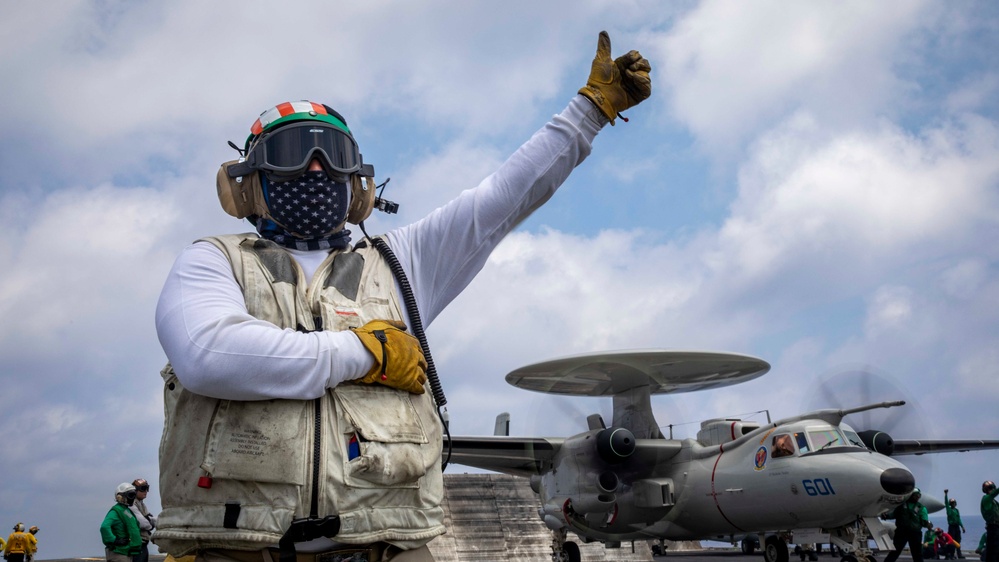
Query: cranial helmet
(124,492)
(19,527)
(282,143)
(988,486)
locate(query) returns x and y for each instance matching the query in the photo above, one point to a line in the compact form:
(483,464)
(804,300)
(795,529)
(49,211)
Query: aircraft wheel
(775,550)
(571,550)
(848,558)
(748,545)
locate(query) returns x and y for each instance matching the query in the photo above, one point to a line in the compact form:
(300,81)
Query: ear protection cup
(362,198)
(240,196)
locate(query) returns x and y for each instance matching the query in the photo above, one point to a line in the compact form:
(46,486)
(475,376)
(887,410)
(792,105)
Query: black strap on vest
(303,530)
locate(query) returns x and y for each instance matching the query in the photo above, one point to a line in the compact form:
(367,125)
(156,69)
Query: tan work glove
(399,360)
(616,85)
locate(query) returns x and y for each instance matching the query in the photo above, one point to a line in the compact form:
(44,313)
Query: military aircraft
(808,479)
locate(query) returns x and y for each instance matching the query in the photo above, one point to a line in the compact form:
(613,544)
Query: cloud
(867,198)
(890,308)
(732,68)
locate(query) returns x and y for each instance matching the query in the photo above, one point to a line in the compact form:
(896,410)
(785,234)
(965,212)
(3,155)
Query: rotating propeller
(851,387)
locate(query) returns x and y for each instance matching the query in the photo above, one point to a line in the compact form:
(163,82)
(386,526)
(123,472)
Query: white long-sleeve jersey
(217,349)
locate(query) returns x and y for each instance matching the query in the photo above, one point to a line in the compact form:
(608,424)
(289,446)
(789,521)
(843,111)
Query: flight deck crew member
(990,513)
(910,518)
(18,544)
(146,520)
(930,544)
(296,411)
(954,524)
(120,530)
(33,531)
(945,544)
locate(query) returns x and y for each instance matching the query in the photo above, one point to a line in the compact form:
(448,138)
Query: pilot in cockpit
(782,446)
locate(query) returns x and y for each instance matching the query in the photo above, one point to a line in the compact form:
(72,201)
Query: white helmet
(121,493)
(19,527)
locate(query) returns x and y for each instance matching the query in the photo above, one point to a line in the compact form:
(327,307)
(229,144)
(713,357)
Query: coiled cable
(416,324)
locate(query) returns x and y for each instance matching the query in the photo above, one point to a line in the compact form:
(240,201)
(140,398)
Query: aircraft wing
(922,446)
(517,456)
(527,456)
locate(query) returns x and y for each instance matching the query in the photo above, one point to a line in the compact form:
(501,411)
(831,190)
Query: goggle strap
(240,169)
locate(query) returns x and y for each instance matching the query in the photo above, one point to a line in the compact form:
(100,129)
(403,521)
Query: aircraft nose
(897,481)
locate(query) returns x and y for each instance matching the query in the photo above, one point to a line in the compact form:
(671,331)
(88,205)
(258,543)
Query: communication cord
(417,326)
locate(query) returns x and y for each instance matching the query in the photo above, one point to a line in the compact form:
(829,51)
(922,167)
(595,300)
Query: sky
(815,184)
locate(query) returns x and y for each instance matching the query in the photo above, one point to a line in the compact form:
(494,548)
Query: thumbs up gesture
(617,84)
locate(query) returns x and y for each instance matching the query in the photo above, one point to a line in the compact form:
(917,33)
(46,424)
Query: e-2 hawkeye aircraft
(811,476)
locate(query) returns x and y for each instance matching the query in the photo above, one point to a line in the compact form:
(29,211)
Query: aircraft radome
(809,478)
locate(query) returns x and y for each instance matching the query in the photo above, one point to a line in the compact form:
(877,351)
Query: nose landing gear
(563,550)
(775,549)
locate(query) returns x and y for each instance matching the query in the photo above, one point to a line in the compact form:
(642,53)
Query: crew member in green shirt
(954,524)
(990,513)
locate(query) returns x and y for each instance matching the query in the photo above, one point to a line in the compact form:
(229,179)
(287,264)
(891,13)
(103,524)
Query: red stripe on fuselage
(714,494)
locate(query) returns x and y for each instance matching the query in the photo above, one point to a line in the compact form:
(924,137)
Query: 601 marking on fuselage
(818,487)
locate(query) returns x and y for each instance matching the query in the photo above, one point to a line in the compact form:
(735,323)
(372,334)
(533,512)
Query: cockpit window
(826,438)
(782,446)
(853,439)
(802,441)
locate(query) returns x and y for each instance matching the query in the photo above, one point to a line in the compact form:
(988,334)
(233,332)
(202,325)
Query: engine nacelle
(615,444)
(878,441)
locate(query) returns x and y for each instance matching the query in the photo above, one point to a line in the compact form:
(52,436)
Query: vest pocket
(264,479)
(260,441)
(392,445)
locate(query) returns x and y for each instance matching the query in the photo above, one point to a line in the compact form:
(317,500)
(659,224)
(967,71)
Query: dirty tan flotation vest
(235,474)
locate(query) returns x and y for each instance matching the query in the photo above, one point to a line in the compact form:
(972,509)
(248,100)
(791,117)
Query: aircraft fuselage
(708,491)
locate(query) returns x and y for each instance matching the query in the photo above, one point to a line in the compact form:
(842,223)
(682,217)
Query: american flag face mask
(310,206)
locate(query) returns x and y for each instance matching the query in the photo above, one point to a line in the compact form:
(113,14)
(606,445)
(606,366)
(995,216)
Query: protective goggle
(286,152)
(142,488)
(129,495)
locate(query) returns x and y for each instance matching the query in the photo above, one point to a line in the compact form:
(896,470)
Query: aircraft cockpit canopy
(822,438)
(804,440)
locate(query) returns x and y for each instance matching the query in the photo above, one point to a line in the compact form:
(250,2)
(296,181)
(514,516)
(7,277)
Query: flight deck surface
(706,555)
